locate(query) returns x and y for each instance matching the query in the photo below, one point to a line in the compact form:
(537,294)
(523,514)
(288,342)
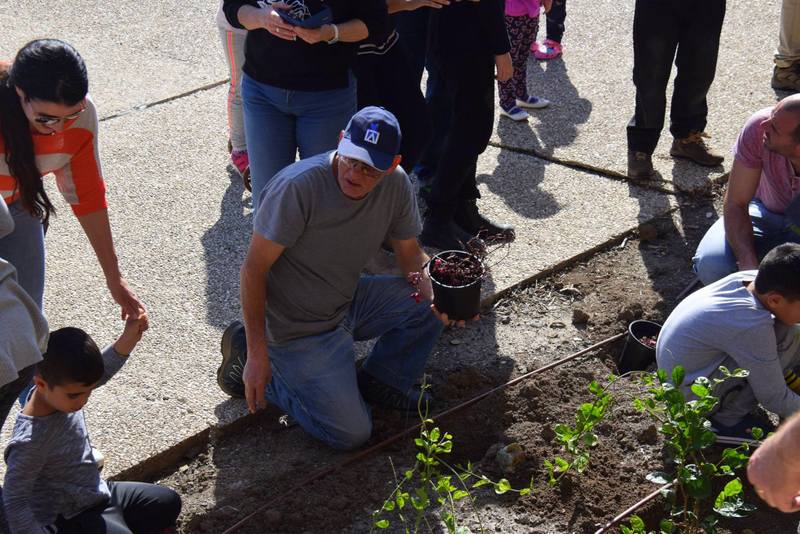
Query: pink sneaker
(242,164)
(549,49)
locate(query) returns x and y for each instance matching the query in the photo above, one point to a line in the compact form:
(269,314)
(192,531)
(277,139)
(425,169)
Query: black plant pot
(636,356)
(458,302)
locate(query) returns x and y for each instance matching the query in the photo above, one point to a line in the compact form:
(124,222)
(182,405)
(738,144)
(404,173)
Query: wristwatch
(335,35)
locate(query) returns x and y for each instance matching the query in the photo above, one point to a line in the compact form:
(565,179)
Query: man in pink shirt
(761,209)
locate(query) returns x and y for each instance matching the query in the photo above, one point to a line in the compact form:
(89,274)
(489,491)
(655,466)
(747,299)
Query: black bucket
(636,356)
(460,303)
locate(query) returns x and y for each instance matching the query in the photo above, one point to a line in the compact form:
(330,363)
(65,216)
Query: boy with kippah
(747,320)
(51,478)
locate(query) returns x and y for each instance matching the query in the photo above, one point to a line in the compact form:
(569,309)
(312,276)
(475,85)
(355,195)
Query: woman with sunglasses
(49,124)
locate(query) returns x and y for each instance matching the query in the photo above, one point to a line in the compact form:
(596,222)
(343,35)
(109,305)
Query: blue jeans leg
(269,130)
(314,381)
(714,258)
(407,330)
(279,122)
(24,249)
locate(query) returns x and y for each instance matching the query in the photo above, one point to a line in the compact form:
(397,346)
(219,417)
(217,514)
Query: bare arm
(98,230)
(261,255)
(412,259)
(742,187)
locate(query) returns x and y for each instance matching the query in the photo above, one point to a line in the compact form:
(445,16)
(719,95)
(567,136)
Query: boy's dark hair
(72,357)
(779,271)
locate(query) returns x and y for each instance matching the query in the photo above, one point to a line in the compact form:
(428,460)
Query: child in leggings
(52,483)
(522,21)
(233,44)
(556,15)
(468,42)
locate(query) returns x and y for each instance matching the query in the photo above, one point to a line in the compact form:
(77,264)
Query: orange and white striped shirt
(72,156)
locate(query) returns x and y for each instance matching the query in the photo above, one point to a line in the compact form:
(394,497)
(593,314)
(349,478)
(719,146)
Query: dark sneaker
(377,393)
(786,79)
(447,235)
(234,357)
(694,148)
(471,221)
(640,165)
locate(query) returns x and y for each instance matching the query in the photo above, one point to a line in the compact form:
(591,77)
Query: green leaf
(659,477)
(700,391)
(581,462)
(757,432)
(502,486)
(525,491)
(561,465)
(383,523)
(678,375)
(388,506)
(460,494)
(480,483)
(400,499)
(595,388)
(435,434)
(637,523)
(409,474)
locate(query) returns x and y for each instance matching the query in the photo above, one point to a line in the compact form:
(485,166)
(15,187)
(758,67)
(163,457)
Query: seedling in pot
(649,341)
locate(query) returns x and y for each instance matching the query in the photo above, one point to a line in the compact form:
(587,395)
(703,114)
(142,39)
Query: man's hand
(134,328)
(257,374)
(450,322)
(548,5)
(503,67)
(774,471)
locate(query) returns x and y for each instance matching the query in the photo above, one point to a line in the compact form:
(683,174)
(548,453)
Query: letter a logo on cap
(372,135)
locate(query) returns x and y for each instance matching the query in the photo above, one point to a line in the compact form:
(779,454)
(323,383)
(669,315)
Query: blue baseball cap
(373,137)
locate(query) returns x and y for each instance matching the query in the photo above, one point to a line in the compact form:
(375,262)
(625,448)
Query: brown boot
(786,79)
(694,148)
(640,166)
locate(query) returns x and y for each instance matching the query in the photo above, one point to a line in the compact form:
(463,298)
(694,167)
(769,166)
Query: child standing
(51,478)
(522,21)
(468,41)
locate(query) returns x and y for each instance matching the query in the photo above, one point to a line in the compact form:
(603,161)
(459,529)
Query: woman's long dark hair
(48,70)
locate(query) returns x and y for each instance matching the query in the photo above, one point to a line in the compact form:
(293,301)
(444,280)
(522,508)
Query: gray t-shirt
(329,238)
(50,467)
(725,324)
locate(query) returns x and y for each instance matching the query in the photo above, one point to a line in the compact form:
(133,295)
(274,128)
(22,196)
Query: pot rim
(462,252)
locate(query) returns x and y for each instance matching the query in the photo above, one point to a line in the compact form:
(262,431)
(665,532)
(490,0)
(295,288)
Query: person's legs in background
(233,46)
(656,29)
(696,60)
(786,74)
(321,117)
(270,132)
(551,47)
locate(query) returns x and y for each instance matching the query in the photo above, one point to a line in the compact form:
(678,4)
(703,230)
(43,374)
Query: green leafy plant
(636,526)
(579,439)
(688,436)
(432,487)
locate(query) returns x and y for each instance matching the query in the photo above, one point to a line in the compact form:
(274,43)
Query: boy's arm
(114,356)
(112,362)
(24,461)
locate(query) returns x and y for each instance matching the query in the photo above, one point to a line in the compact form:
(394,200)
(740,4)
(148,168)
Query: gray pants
(24,249)
(736,396)
(233,46)
(788,51)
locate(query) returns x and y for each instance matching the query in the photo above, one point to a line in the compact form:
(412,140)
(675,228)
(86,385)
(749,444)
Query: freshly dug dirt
(536,325)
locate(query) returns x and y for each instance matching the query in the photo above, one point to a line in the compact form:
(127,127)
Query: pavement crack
(148,105)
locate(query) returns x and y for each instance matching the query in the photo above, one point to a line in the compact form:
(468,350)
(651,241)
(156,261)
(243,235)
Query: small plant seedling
(636,526)
(688,436)
(577,440)
(432,487)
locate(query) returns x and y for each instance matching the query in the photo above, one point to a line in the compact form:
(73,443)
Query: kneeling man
(746,320)
(319,222)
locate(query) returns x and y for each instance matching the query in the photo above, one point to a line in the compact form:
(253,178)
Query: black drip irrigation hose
(388,441)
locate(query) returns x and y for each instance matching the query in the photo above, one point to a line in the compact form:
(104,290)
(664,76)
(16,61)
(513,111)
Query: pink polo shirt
(521,8)
(778,184)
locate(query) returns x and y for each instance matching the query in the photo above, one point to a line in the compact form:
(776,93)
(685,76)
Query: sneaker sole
(681,156)
(525,105)
(515,119)
(226,347)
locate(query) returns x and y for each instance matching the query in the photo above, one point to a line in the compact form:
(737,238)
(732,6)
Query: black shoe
(640,166)
(447,235)
(471,221)
(377,393)
(234,357)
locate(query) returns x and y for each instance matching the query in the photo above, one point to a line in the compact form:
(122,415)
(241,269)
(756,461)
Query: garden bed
(526,330)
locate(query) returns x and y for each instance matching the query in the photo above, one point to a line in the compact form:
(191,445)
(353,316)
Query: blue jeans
(714,258)
(24,249)
(314,377)
(279,122)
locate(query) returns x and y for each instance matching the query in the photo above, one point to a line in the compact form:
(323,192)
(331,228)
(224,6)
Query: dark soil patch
(535,325)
